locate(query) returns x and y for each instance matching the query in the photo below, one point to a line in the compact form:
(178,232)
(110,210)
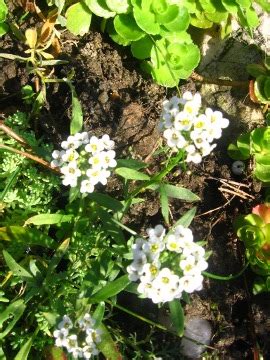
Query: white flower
(71,143)
(107,142)
(70,155)
(82,137)
(189,266)
(216,118)
(71,169)
(89,350)
(97,161)
(66,323)
(190,284)
(185,234)
(57,158)
(108,159)
(165,121)
(153,248)
(206,149)
(171,106)
(193,155)
(167,284)
(98,175)
(60,337)
(201,122)
(86,322)
(86,187)
(183,121)
(95,145)
(138,246)
(93,336)
(173,243)
(146,288)
(151,270)
(174,138)
(156,233)
(199,138)
(72,343)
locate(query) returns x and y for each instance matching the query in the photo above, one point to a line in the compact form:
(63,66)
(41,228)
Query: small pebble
(103,97)
(199,330)
(238,167)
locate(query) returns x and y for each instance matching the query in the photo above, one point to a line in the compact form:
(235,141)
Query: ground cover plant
(115,238)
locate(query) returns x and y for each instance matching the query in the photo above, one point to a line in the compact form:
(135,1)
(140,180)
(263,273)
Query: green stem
(225,278)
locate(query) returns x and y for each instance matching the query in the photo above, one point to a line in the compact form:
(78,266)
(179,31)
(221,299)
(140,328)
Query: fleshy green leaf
(78,18)
(141,49)
(177,316)
(118,6)
(146,21)
(126,27)
(3,11)
(100,8)
(48,219)
(131,174)
(111,289)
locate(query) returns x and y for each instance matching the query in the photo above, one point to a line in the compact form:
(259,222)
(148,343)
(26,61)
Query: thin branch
(35,158)
(12,134)
(242,84)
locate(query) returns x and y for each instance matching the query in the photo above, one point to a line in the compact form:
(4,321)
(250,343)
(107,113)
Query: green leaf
(14,311)
(180,23)
(131,164)
(25,349)
(266,88)
(164,202)
(243,144)
(99,314)
(54,353)
(109,225)
(111,289)
(256,70)
(126,27)
(17,269)
(100,8)
(3,28)
(106,201)
(234,153)
(262,172)
(146,21)
(141,49)
(57,256)
(131,174)
(181,193)
(252,18)
(107,346)
(78,18)
(187,218)
(177,316)
(48,219)
(118,6)
(114,35)
(265,5)
(77,114)
(3,11)
(27,236)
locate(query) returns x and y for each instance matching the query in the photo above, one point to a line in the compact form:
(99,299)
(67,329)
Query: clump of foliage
(260,88)
(3,15)
(254,230)
(25,189)
(255,144)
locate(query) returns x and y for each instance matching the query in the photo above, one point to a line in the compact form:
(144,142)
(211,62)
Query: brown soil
(117,100)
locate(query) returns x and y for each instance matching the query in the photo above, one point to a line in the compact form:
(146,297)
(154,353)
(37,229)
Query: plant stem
(225,278)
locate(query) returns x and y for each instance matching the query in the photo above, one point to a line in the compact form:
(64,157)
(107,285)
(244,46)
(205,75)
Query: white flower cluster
(185,126)
(153,259)
(85,161)
(79,340)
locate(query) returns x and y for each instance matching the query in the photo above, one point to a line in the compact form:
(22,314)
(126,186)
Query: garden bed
(118,101)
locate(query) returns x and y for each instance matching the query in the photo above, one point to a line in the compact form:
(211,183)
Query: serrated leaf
(177,316)
(100,8)
(110,289)
(131,174)
(181,193)
(78,18)
(126,27)
(48,219)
